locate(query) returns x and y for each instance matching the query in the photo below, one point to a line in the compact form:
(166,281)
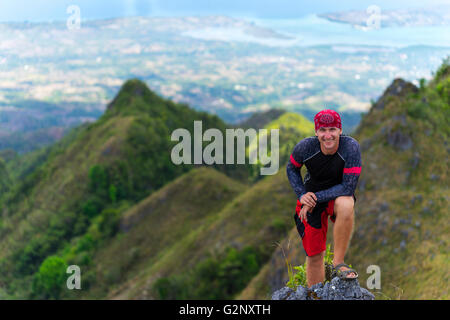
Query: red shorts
(314,232)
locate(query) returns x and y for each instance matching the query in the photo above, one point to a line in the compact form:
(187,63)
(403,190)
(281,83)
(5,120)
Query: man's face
(329,138)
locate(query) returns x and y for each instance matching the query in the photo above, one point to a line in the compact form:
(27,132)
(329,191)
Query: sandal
(343,274)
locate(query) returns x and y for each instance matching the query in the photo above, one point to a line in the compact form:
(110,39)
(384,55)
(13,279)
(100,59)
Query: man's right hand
(309,199)
(303,212)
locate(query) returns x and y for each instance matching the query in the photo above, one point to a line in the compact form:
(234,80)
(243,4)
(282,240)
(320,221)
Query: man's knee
(317,258)
(344,207)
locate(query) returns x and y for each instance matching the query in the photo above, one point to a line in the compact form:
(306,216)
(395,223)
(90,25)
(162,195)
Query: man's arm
(352,170)
(293,171)
(295,179)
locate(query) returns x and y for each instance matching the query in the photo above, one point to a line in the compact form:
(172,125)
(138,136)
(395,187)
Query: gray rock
(282,294)
(405,233)
(362,185)
(402,244)
(357,294)
(326,289)
(417,199)
(384,206)
(366,144)
(336,289)
(299,294)
(367,295)
(399,88)
(415,161)
(434,177)
(400,140)
(400,118)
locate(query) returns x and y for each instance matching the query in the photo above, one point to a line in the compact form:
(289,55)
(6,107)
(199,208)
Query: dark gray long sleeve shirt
(329,176)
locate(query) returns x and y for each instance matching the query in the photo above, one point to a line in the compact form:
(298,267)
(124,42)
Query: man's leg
(343,228)
(315,269)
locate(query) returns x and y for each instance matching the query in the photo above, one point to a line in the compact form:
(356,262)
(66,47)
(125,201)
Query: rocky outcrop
(398,88)
(336,289)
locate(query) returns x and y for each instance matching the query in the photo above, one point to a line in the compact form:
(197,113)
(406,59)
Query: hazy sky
(45,10)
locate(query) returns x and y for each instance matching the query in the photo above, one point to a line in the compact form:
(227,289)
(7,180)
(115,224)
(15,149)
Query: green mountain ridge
(158,223)
(251,219)
(260,119)
(61,191)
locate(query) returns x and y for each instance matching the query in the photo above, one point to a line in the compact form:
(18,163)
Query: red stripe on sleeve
(295,163)
(354,170)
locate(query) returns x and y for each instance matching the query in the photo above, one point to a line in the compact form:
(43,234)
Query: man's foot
(343,271)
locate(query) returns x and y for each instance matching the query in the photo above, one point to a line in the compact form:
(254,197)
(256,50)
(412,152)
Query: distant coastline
(426,17)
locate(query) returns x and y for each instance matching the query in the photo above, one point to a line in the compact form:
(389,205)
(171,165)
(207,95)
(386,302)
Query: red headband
(327,118)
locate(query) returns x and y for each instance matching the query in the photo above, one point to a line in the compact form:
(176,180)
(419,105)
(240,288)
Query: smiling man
(333,163)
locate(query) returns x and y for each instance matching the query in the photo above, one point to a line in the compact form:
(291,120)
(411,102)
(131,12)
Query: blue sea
(313,30)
